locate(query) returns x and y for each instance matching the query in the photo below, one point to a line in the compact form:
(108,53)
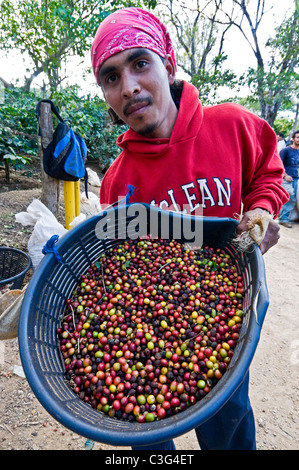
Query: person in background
(290,159)
(169,155)
(281,143)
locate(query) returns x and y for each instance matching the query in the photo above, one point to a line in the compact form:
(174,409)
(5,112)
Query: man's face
(135,84)
(296,140)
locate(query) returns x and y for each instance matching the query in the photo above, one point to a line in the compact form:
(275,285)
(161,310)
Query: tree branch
(6,84)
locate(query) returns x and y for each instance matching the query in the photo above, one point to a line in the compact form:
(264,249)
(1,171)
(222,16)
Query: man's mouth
(136,107)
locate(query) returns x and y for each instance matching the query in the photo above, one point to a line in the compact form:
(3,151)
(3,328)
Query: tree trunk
(50,186)
(7,173)
(296,118)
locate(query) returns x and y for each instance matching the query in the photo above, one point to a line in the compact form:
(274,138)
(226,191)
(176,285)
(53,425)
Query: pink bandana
(126,29)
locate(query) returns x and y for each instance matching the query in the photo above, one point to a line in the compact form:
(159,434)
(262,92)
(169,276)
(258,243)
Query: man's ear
(114,118)
(170,68)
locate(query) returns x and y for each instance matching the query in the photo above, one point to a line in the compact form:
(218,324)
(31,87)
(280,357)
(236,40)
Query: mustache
(148,100)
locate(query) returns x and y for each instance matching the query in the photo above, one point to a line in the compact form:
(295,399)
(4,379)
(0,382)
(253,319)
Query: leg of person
(167,445)
(288,206)
(233,426)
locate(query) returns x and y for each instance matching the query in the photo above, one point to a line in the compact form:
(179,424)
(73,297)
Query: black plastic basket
(44,303)
(14,265)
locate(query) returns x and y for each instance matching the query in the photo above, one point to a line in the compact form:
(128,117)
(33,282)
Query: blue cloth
(129,193)
(51,248)
(126,199)
(231,428)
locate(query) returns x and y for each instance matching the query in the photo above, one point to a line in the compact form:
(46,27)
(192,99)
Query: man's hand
(288,178)
(271,235)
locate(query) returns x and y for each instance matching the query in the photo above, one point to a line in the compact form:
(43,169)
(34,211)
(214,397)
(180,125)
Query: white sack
(93,178)
(45,226)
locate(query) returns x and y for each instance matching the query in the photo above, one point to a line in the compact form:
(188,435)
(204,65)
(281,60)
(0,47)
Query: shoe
(286,224)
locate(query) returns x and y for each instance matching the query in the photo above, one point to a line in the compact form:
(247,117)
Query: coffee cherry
(151,327)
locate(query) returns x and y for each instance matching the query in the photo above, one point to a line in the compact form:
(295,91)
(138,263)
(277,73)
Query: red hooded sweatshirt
(216,158)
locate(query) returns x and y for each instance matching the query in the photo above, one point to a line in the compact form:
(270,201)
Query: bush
(18,123)
(283,125)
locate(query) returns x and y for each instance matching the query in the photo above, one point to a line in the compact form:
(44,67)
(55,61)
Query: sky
(240,57)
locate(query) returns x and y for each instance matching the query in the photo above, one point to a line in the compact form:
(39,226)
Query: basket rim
(24,271)
(157,432)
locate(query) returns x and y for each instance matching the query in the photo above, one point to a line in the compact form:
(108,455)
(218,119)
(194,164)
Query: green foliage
(283,125)
(19,126)
(46,30)
(18,161)
(278,86)
(209,82)
(50,31)
(251,103)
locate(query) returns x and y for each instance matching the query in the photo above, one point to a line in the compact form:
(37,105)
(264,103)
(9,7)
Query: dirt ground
(274,383)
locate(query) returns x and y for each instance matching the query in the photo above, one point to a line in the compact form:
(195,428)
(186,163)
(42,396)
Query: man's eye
(141,64)
(111,78)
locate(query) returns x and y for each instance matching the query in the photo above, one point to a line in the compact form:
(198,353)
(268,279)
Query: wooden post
(50,186)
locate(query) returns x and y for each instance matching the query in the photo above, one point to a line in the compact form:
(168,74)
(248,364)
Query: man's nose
(130,85)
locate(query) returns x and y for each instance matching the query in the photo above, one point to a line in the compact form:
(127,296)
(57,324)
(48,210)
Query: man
(281,143)
(182,156)
(290,159)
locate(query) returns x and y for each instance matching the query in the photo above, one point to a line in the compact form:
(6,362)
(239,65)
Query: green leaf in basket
(126,264)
